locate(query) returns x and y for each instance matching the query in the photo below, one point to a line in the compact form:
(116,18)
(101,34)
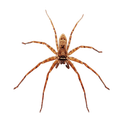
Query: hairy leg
(53,65)
(76,60)
(72,32)
(43,44)
(73,50)
(71,64)
(53,29)
(47,60)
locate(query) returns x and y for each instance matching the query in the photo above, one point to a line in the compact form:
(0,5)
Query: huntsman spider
(62,55)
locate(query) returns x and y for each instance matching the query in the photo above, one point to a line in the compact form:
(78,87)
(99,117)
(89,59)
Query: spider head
(62,41)
(62,35)
(62,52)
(62,49)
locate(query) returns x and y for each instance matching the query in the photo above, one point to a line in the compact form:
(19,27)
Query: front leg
(73,50)
(31,70)
(51,21)
(74,27)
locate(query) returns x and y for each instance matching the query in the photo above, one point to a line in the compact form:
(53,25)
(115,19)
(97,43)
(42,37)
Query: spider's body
(62,57)
(62,49)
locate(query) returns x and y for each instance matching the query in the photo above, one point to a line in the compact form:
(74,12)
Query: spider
(62,57)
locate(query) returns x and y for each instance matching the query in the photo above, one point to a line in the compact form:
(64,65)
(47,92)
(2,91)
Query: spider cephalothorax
(63,46)
(62,57)
(62,49)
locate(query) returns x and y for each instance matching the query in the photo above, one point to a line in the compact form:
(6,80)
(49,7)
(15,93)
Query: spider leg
(73,50)
(72,32)
(76,60)
(43,44)
(53,29)
(53,65)
(73,67)
(47,60)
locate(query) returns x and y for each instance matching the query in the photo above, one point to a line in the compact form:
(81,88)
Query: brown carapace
(62,57)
